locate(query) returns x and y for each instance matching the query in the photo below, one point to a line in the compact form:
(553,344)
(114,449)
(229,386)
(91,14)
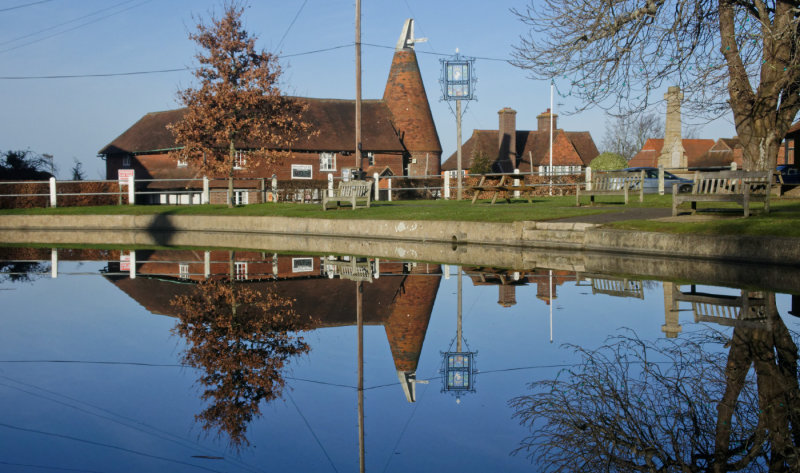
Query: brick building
(398,138)
(692,151)
(527,150)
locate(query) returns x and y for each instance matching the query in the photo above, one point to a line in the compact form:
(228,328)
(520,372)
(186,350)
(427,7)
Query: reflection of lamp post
(458,367)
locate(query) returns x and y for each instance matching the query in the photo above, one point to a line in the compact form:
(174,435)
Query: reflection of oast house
(398,138)
(401,299)
(507,148)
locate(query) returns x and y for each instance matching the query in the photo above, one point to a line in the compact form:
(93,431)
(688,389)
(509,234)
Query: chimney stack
(507,139)
(543,121)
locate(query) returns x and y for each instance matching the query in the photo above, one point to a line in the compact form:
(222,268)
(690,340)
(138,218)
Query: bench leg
(674,206)
(746,204)
(577,197)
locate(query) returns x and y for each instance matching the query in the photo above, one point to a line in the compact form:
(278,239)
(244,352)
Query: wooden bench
(350,192)
(612,183)
(506,186)
(741,187)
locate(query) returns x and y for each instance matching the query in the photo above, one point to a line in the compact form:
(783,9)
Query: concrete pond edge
(525,234)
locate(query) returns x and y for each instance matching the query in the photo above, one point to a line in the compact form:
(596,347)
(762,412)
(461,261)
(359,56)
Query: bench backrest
(732,182)
(354,188)
(617,180)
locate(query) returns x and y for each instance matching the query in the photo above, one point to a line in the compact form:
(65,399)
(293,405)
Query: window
(302,265)
(183,271)
(126,161)
(239,159)
(327,161)
(301,171)
(371,158)
(240,270)
(182,162)
(240,197)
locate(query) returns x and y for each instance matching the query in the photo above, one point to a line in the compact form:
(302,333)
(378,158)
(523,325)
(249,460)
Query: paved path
(627,214)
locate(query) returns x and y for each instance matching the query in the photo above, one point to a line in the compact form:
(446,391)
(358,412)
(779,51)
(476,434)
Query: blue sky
(76,117)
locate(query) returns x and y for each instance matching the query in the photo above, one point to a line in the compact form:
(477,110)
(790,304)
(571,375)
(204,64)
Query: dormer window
(327,161)
(239,159)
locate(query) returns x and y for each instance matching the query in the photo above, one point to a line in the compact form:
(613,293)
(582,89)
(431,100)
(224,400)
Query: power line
(50,28)
(280,43)
(24,5)
(106,445)
(76,27)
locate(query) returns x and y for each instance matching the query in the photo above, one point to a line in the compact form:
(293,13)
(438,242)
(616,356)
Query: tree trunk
(231,163)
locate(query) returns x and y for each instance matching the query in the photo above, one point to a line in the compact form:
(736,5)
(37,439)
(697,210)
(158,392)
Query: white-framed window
(183,271)
(240,270)
(182,163)
(327,161)
(559,170)
(240,197)
(301,171)
(371,158)
(302,265)
(126,161)
(454,173)
(239,159)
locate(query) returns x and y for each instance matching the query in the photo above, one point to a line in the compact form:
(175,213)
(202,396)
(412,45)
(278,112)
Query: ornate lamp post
(458,83)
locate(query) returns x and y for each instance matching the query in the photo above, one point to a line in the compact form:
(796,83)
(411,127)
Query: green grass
(541,209)
(783,220)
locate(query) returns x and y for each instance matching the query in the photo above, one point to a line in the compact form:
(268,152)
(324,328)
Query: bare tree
(738,55)
(626,134)
(671,406)
(238,102)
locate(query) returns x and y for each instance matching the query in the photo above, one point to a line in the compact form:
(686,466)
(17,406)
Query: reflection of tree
(672,405)
(242,340)
(22,271)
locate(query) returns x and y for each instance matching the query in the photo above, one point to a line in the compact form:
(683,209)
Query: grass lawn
(783,220)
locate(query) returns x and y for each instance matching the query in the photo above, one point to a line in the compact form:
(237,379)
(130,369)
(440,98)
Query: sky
(73,118)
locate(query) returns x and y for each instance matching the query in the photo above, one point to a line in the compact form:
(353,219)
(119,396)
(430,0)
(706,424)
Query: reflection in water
(241,339)
(672,405)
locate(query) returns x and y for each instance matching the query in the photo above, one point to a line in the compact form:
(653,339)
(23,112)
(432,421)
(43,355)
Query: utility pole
(358,84)
(458,152)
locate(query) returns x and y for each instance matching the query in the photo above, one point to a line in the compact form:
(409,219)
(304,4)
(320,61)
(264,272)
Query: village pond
(193,360)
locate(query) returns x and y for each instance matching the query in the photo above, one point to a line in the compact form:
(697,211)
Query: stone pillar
(672,154)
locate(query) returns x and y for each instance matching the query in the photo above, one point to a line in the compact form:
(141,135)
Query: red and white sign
(124,175)
(124,262)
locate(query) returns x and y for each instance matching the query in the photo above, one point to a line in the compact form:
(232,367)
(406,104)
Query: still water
(112,361)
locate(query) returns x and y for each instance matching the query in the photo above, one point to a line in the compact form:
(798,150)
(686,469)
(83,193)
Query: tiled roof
(570,148)
(648,156)
(333,119)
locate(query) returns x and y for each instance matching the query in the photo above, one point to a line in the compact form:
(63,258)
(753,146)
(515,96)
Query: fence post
(206,264)
(52,192)
(132,270)
(734,167)
(660,179)
(330,184)
(446,185)
(588,178)
(377,268)
(206,197)
(447,271)
(263,190)
(516,183)
(274,186)
(390,189)
(377,178)
(54,263)
(131,192)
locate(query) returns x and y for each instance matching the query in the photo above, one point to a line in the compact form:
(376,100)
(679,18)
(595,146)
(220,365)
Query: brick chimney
(507,139)
(543,121)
